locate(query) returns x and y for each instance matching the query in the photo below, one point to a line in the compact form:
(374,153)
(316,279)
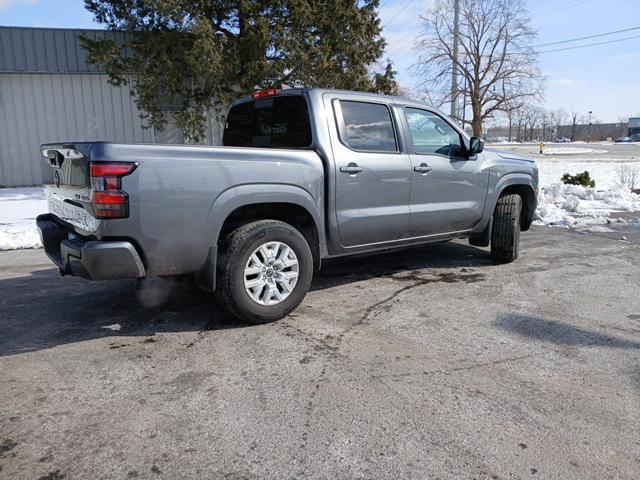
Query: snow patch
(19,208)
(598,229)
(571,151)
(576,206)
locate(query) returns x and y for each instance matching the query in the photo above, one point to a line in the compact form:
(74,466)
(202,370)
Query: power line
(559,42)
(585,38)
(544,12)
(560,8)
(401,47)
(398,13)
(589,45)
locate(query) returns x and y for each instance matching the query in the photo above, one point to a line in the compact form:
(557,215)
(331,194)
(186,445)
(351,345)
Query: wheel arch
(529,202)
(522,184)
(247,203)
(291,213)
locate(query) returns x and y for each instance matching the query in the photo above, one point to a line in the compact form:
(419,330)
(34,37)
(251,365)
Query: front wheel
(505,233)
(266,269)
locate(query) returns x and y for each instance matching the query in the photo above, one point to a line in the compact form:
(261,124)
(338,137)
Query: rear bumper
(93,260)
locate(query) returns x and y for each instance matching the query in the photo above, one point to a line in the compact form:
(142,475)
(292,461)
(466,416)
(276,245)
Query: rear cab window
(367,127)
(275,122)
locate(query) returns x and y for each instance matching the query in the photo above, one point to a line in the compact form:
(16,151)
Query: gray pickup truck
(304,175)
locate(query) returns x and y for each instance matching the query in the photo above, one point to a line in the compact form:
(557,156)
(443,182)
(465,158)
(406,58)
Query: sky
(603,79)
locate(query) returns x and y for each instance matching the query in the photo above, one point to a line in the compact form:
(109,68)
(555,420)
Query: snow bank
(571,151)
(576,206)
(19,208)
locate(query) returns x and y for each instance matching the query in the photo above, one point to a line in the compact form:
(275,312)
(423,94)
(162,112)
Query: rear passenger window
(368,127)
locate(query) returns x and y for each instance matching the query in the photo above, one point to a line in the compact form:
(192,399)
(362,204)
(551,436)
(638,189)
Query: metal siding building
(633,126)
(49,93)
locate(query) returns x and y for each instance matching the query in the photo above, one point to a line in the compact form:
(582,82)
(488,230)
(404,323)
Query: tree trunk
(476,121)
(510,127)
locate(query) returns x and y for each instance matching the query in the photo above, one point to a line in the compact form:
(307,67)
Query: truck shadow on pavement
(344,270)
(560,333)
(43,310)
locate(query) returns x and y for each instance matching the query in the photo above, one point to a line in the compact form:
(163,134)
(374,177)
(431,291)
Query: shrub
(628,176)
(583,179)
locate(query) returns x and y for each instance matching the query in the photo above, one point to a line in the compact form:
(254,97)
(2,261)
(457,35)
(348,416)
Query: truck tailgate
(67,184)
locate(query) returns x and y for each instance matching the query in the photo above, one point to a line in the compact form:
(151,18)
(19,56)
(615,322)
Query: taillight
(108,199)
(112,169)
(269,92)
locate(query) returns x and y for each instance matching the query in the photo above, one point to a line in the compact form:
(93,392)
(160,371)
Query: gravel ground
(426,363)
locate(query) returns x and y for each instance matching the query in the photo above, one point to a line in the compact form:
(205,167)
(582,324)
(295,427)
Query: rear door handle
(423,168)
(351,169)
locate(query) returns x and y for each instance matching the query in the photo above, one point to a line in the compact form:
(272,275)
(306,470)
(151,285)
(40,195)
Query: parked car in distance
(562,140)
(624,140)
(635,137)
(304,175)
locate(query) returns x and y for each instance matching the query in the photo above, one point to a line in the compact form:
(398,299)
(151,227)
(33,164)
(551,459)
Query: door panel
(448,190)
(372,187)
(448,198)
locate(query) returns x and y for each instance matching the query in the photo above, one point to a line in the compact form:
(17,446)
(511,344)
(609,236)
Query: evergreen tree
(386,82)
(193,54)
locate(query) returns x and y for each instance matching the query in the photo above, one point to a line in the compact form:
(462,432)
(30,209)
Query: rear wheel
(505,233)
(266,269)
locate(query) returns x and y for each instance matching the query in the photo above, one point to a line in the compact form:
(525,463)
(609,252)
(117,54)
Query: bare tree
(574,121)
(557,118)
(496,62)
(628,176)
(519,114)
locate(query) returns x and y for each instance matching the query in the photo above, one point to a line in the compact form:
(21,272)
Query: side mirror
(476,145)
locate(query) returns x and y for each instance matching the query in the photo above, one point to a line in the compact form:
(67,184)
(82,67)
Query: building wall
(50,93)
(42,108)
(598,131)
(49,50)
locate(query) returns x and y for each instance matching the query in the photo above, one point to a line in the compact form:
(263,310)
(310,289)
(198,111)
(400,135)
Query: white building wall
(43,108)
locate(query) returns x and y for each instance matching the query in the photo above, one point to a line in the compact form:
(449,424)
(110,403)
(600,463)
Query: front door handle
(351,169)
(423,169)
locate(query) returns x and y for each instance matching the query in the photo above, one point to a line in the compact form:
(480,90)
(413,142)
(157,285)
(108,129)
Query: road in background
(575,151)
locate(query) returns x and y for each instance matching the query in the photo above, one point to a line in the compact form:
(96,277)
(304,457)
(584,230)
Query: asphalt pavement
(432,362)
(594,151)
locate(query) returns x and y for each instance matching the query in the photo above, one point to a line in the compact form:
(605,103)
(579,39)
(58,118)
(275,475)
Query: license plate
(76,216)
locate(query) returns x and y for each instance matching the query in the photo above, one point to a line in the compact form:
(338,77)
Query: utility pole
(464,97)
(589,131)
(454,71)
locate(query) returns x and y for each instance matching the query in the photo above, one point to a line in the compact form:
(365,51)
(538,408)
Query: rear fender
(234,198)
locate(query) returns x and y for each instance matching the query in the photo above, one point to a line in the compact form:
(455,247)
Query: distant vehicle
(635,137)
(303,175)
(562,140)
(624,140)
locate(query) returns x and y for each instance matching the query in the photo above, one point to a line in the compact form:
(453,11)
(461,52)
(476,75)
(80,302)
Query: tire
(238,258)
(505,233)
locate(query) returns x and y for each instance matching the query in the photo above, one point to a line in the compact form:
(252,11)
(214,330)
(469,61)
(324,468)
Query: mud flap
(482,238)
(206,277)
